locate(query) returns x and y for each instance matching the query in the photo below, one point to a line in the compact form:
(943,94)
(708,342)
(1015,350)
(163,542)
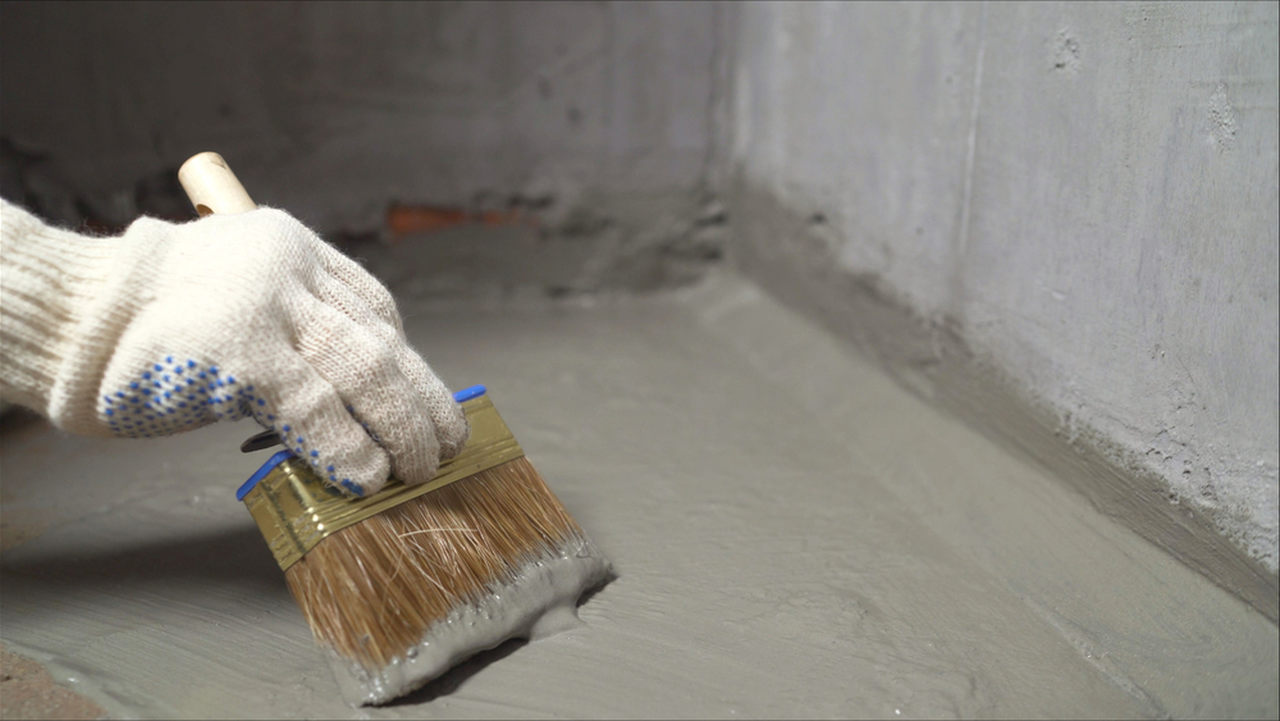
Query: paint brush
(401,585)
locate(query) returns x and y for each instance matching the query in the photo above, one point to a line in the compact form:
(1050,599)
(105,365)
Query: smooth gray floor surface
(795,536)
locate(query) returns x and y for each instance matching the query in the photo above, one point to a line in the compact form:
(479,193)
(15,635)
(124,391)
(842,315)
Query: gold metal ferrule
(295,509)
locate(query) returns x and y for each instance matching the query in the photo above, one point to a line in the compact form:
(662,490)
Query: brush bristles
(370,591)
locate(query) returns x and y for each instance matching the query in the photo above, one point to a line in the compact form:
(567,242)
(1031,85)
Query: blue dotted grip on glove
(172,395)
(461,396)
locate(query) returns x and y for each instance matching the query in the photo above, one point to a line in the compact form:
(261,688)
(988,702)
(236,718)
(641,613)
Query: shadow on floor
(458,675)
(232,556)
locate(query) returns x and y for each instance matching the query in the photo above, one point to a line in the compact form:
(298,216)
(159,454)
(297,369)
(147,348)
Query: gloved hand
(175,325)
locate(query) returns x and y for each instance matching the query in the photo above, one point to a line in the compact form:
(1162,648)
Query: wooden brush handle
(212,187)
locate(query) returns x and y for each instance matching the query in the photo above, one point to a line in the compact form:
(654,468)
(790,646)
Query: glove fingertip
(420,472)
(452,429)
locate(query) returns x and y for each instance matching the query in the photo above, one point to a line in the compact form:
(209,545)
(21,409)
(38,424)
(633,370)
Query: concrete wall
(1077,201)
(591,115)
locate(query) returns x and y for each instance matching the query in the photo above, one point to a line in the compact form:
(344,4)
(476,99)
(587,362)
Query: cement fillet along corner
(795,536)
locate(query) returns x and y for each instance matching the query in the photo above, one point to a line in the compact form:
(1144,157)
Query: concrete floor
(795,536)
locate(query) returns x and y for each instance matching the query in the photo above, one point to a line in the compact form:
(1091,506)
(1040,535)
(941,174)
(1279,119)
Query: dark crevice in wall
(510,243)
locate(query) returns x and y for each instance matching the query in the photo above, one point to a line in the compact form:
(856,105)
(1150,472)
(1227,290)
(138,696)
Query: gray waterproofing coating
(794,536)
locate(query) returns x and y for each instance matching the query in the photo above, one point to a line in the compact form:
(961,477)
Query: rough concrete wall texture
(337,108)
(1085,193)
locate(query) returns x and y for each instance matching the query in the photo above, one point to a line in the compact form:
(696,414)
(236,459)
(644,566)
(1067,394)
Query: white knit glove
(175,325)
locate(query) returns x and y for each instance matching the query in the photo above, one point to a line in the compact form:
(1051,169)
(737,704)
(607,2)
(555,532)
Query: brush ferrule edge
(295,509)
